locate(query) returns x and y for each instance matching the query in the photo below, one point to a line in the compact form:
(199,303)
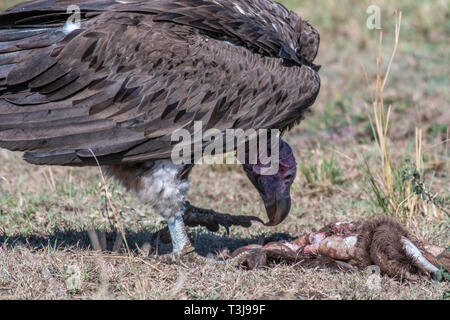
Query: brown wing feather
(264,26)
(125,82)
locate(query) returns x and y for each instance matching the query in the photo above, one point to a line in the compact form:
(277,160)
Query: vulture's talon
(188,255)
(209,219)
(169,258)
(212,220)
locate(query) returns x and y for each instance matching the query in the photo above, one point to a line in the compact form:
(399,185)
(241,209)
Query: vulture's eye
(288,177)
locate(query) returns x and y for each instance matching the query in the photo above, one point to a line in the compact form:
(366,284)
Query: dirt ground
(45,212)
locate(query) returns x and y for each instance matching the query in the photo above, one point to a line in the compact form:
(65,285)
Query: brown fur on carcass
(379,242)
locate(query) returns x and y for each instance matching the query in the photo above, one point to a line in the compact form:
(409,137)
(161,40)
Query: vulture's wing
(120,85)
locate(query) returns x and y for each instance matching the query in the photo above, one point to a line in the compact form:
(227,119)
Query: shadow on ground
(204,242)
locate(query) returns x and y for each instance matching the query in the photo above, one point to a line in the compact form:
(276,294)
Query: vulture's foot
(183,250)
(212,220)
(186,256)
(100,243)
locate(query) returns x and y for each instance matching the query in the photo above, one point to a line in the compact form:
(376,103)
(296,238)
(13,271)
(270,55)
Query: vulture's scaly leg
(182,248)
(178,235)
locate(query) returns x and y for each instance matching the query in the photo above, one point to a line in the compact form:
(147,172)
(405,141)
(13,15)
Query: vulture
(88,82)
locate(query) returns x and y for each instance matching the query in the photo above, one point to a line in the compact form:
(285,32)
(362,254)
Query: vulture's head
(275,189)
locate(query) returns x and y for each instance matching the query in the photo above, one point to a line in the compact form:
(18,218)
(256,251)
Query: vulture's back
(121,80)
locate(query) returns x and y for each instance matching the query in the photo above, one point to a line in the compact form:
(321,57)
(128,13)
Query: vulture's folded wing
(264,26)
(120,85)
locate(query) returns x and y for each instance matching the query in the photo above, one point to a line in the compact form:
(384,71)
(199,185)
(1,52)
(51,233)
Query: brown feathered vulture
(117,83)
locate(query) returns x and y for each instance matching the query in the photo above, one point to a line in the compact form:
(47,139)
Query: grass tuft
(322,173)
(399,192)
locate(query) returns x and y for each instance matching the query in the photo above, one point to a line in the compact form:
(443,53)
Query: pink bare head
(275,189)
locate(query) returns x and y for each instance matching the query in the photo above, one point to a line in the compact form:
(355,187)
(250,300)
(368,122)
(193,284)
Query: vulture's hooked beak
(274,190)
(277,210)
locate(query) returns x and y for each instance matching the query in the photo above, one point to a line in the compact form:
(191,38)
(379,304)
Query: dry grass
(395,190)
(45,212)
(42,275)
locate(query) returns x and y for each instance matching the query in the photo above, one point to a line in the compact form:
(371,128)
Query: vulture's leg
(180,241)
(161,185)
(182,248)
